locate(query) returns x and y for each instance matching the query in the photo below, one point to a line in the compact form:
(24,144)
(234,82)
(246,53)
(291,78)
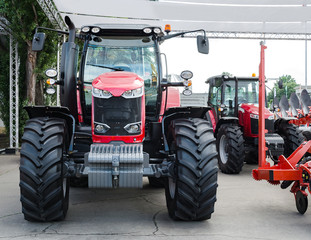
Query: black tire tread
(196,176)
(41,170)
(236,152)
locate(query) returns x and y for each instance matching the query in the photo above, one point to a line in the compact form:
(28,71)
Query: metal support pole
(11,95)
(14,94)
(261,122)
(306,63)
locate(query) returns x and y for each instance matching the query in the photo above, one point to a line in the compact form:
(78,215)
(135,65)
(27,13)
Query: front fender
(56,112)
(180,112)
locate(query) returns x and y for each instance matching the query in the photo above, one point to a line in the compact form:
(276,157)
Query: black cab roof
(122,30)
(211,80)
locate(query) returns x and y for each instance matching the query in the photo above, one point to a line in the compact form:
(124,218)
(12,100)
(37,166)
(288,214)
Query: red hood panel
(118,82)
(254,109)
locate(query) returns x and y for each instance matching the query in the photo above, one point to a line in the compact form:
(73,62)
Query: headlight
(254,116)
(101,93)
(157,30)
(133,127)
(133,93)
(101,127)
(147,30)
(85,29)
(51,73)
(95,30)
(186,74)
(50,90)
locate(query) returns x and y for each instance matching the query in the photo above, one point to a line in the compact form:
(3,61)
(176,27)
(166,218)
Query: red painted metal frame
(117,83)
(287,169)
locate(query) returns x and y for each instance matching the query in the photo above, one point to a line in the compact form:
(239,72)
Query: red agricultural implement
(297,110)
(294,170)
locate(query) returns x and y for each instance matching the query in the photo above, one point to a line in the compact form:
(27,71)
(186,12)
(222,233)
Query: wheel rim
(171,187)
(223,149)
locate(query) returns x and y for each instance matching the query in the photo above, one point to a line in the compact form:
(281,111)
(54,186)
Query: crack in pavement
(155,222)
(9,215)
(74,234)
(7,171)
(47,228)
(148,201)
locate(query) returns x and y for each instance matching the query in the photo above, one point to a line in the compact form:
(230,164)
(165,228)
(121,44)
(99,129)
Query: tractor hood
(118,82)
(253,109)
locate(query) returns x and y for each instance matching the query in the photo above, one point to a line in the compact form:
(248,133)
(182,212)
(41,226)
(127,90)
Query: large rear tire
(230,147)
(191,191)
(292,136)
(43,185)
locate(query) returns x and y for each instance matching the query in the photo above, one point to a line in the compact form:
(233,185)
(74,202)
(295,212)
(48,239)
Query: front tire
(43,185)
(191,190)
(230,147)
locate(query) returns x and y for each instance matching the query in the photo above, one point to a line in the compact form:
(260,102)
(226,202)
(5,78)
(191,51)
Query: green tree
(227,73)
(289,85)
(23,17)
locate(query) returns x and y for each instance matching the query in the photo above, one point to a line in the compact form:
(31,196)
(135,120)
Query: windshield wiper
(103,66)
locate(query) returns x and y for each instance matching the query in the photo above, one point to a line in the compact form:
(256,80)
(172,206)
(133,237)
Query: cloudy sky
(238,57)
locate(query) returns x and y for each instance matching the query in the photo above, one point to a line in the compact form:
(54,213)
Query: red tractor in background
(117,123)
(234,117)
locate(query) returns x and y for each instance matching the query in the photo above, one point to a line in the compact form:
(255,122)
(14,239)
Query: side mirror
(280,83)
(203,44)
(38,42)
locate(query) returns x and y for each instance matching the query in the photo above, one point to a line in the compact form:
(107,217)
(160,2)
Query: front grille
(269,125)
(117,112)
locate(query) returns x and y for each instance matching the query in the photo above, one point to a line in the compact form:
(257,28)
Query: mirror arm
(172,84)
(51,29)
(181,34)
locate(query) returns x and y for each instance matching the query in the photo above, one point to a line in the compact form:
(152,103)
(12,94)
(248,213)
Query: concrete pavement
(245,209)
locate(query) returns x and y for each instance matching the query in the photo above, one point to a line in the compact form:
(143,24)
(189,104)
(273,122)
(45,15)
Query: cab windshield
(132,54)
(247,92)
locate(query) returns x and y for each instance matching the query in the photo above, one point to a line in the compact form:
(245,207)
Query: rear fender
(279,121)
(180,112)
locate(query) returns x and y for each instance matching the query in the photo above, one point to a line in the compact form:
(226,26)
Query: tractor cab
(230,93)
(121,49)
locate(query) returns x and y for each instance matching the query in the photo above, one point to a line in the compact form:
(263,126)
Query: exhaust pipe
(72,29)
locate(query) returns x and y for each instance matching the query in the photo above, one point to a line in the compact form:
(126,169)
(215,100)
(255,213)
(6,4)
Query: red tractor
(234,117)
(118,122)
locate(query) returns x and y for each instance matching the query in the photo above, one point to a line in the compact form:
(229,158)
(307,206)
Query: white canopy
(287,17)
